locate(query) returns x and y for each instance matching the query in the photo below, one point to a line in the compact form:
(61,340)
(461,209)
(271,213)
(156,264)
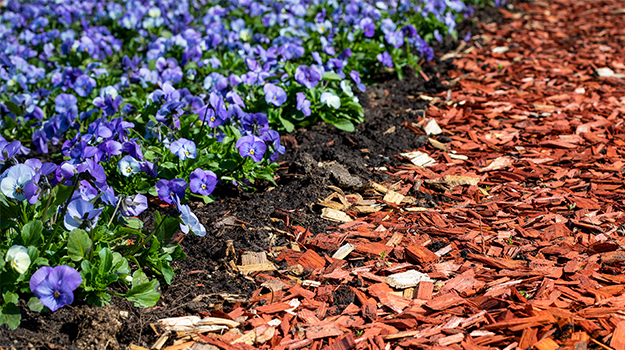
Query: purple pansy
(385,59)
(356,77)
(274,94)
(303,104)
(84,85)
(54,286)
(307,76)
(133,205)
(202,181)
(81,214)
(169,190)
(252,146)
(183,148)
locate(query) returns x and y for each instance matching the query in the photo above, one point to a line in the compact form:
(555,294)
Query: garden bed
(519,233)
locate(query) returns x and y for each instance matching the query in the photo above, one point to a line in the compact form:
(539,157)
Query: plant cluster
(165,99)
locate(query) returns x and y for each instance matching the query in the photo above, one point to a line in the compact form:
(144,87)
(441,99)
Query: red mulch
(531,256)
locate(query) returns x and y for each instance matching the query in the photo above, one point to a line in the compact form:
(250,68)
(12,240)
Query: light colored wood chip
(456,180)
(393,197)
(458,156)
(416,209)
(344,251)
(419,158)
(432,128)
(312,284)
(406,279)
(365,209)
(335,215)
(444,250)
(248,338)
(438,145)
(395,239)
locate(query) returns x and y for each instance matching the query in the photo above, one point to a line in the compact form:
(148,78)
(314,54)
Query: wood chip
(407,279)
(335,215)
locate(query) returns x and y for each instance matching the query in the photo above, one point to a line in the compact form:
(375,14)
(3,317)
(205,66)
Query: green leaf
(78,244)
(15,109)
(13,315)
(288,126)
(35,305)
(133,223)
(344,124)
(168,272)
(106,262)
(120,264)
(143,292)
(31,233)
(331,76)
(10,297)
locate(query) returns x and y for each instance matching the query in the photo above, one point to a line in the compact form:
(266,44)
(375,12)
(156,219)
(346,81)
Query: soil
(238,221)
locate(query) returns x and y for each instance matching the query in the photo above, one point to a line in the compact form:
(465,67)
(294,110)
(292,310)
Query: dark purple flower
(252,146)
(109,100)
(110,148)
(385,59)
(274,94)
(273,137)
(149,168)
(303,104)
(307,76)
(133,148)
(54,286)
(169,190)
(84,85)
(134,205)
(409,31)
(255,123)
(202,181)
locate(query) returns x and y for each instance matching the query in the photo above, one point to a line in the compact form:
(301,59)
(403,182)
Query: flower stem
(114,212)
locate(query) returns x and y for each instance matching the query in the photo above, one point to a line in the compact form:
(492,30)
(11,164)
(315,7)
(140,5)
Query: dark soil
(238,221)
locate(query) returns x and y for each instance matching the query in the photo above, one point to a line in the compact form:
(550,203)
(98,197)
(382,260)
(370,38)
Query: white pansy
(331,100)
(245,34)
(18,258)
(154,12)
(347,89)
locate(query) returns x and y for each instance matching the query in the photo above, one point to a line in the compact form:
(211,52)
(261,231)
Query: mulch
(526,249)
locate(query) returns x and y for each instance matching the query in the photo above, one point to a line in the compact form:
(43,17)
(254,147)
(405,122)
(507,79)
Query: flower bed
(128,101)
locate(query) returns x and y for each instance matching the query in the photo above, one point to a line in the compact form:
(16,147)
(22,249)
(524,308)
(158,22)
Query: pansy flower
(303,104)
(202,182)
(183,148)
(128,166)
(331,100)
(252,146)
(274,94)
(169,190)
(54,286)
(307,76)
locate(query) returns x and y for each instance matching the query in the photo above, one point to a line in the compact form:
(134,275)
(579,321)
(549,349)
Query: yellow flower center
(275,98)
(128,170)
(18,189)
(187,152)
(203,186)
(212,119)
(252,152)
(56,294)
